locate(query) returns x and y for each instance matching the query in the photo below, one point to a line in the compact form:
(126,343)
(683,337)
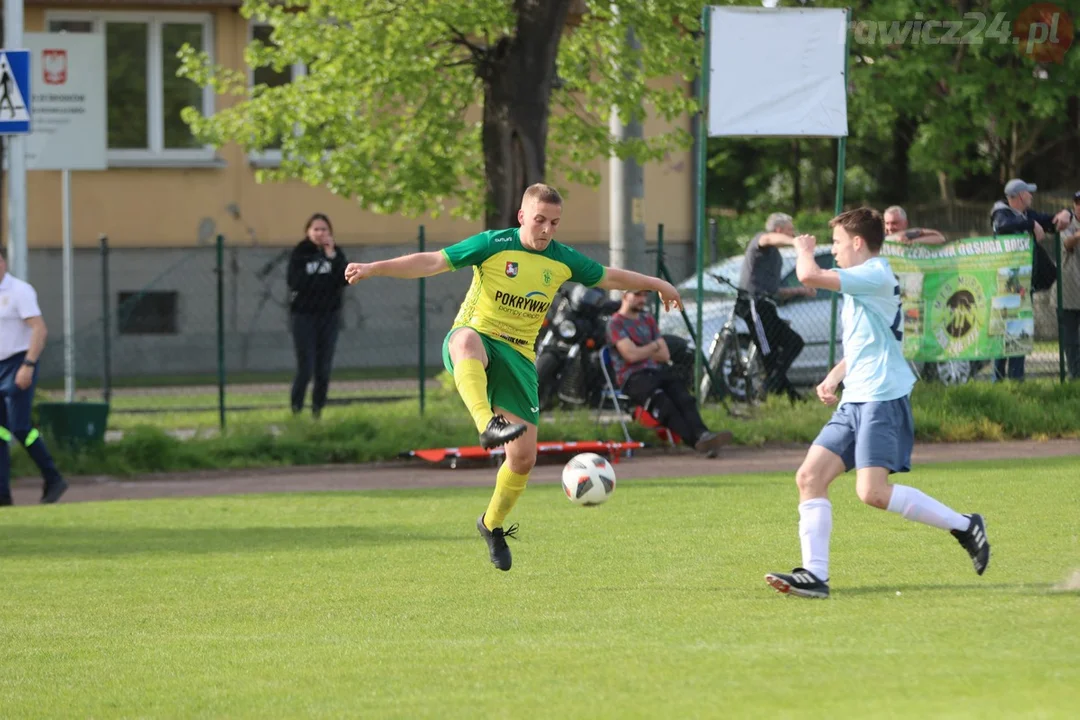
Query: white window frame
(270,157)
(156,152)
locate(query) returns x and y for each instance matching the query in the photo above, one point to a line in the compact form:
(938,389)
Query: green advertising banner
(968,299)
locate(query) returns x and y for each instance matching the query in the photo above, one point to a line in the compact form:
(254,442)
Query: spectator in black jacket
(316,280)
(1015,215)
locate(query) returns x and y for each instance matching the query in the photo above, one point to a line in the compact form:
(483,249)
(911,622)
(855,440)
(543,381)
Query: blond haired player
(489,349)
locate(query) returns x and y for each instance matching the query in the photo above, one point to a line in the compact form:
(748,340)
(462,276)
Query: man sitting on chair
(642,369)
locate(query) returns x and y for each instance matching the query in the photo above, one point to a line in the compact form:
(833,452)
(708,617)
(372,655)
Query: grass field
(383,604)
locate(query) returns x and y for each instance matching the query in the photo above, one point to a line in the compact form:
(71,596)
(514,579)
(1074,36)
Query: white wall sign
(777,72)
(70,123)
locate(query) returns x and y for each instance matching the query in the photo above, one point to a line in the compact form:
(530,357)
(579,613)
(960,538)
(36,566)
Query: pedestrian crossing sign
(14,92)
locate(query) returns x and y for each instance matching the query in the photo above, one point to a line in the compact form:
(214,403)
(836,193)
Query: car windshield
(730,270)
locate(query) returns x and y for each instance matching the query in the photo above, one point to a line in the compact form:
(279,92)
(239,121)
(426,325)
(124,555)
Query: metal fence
(209,330)
(740,369)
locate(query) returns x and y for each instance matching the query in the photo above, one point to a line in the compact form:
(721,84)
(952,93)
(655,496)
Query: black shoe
(496,541)
(710,442)
(499,432)
(5,501)
(53,491)
(975,542)
(801,583)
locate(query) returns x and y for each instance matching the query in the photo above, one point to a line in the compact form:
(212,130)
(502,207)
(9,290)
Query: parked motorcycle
(568,350)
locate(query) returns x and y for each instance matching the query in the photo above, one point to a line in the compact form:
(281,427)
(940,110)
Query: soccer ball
(588,479)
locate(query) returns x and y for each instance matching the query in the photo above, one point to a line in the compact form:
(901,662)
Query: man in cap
(1015,215)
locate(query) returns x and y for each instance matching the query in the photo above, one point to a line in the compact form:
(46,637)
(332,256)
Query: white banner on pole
(778,72)
(69,133)
(70,125)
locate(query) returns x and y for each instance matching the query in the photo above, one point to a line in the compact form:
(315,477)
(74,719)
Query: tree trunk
(1072,157)
(518,74)
(796,177)
(898,177)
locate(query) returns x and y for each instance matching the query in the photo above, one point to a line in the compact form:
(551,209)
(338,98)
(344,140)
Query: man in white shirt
(22,339)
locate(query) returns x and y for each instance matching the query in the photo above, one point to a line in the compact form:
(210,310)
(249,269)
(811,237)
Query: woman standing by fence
(316,279)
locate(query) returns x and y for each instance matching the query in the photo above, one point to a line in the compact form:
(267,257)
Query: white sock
(815,526)
(918,506)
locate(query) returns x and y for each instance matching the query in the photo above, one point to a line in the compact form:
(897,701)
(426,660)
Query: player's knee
(874,494)
(809,481)
(522,465)
(466,344)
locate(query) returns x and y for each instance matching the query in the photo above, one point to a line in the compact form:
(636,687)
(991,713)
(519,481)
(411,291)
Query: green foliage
(383,114)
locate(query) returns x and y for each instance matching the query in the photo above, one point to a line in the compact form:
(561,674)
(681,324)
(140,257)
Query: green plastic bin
(76,425)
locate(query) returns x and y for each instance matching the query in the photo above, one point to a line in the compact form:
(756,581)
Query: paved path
(418,474)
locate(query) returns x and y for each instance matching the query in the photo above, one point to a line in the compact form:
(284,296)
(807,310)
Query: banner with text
(967,299)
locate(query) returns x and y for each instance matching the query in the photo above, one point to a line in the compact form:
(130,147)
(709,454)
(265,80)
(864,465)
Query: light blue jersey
(873,334)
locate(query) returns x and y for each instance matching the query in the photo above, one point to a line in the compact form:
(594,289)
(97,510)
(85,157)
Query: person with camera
(316,279)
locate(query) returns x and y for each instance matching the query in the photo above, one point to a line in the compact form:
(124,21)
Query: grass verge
(364,433)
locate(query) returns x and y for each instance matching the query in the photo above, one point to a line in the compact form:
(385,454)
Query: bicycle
(735,357)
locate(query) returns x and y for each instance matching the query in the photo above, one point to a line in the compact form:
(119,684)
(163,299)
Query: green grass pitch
(384,604)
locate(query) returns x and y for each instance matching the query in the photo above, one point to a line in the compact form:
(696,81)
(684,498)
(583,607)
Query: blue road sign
(14,92)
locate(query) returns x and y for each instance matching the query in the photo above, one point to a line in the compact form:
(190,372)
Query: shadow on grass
(102,542)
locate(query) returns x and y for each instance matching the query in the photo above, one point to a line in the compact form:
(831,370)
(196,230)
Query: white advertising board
(70,123)
(777,72)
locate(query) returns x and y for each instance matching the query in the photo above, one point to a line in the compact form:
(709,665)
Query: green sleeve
(583,269)
(470,251)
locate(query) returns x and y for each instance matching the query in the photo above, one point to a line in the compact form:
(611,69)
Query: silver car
(810,317)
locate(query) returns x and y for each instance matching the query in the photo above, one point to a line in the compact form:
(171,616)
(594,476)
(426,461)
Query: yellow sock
(471,380)
(508,489)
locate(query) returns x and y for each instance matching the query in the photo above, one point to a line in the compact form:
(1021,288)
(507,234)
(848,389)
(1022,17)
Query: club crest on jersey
(511,269)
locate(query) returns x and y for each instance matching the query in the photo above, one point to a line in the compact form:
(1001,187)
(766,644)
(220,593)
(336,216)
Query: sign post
(15,121)
(69,134)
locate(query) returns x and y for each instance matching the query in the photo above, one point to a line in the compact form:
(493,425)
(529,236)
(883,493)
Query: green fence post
(841,147)
(220,269)
(699,221)
(659,266)
(106,333)
(423,328)
(1060,312)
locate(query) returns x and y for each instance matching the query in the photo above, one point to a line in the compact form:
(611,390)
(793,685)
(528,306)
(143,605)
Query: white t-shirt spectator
(18,302)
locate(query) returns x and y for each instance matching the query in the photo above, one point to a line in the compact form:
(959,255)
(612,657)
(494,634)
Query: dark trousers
(16,426)
(667,400)
(784,343)
(315,337)
(1011,367)
(1070,332)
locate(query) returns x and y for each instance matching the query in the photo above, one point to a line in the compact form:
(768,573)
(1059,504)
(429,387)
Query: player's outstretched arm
(808,271)
(619,279)
(406,267)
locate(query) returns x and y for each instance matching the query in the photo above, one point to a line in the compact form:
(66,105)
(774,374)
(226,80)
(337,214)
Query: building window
(151,312)
(145,96)
(271,78)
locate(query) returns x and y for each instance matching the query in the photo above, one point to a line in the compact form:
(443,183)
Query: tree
(387,112)
(979,99)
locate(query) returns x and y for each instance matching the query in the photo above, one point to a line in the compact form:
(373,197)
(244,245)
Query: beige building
(163,198)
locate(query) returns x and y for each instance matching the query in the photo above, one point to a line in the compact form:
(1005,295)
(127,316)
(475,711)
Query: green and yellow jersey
(512,286)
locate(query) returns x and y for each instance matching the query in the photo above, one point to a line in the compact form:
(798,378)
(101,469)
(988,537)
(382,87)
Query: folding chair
(611,393)
(640,414)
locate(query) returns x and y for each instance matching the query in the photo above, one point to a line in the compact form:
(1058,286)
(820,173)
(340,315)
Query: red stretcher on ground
(612,449)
